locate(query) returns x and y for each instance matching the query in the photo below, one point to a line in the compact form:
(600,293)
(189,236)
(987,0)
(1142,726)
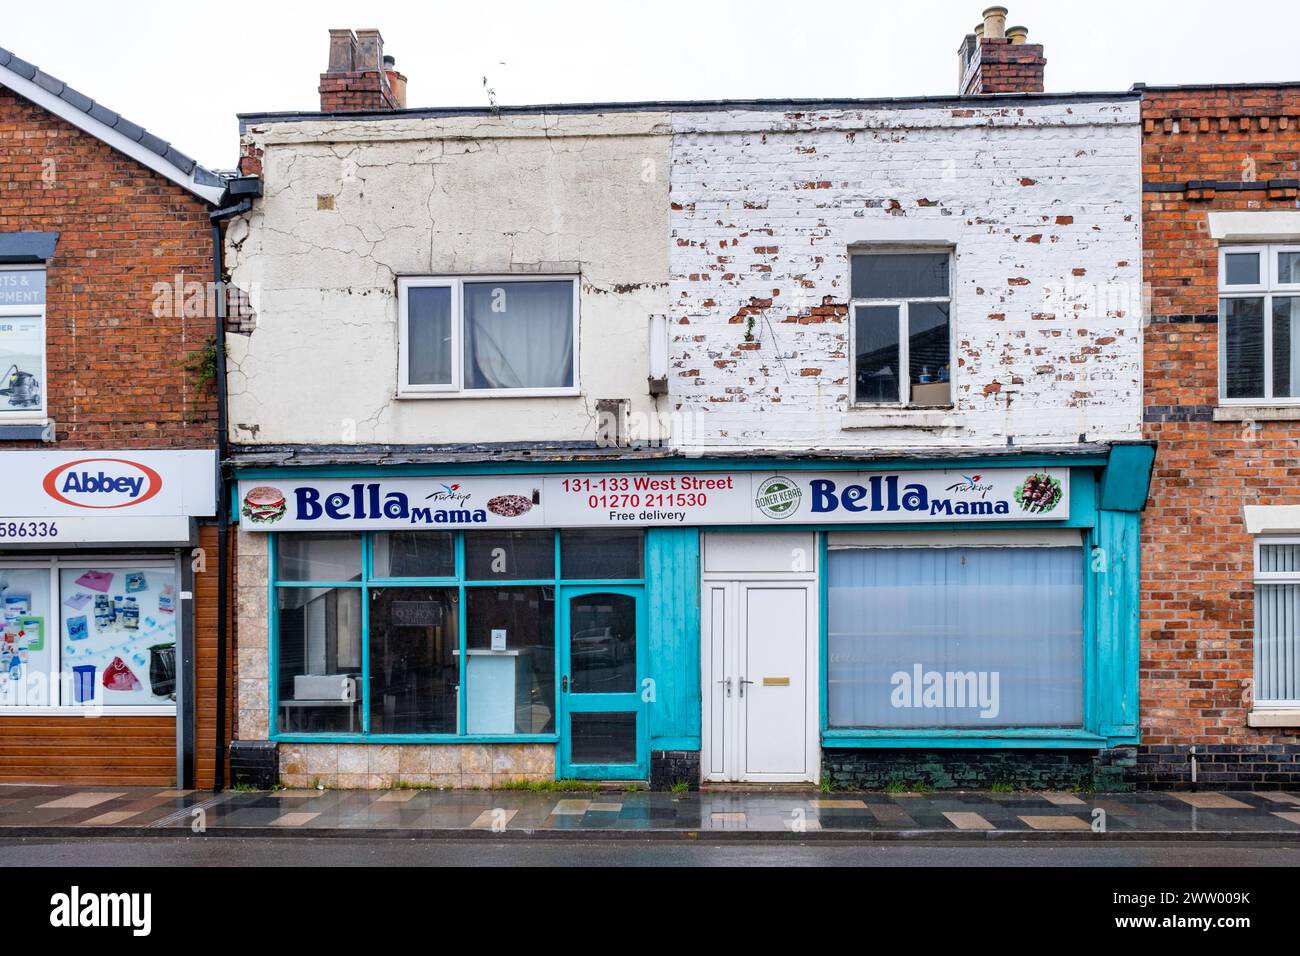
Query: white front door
(761,692)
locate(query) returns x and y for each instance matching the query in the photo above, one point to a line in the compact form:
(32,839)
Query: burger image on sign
(263,505)
(778,497)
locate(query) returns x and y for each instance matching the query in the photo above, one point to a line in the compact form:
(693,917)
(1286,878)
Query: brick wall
(1001,66)
(1041,202)
(116,349)
(1198,614)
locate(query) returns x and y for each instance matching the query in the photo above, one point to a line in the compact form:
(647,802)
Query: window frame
(456,388)
(904,324)
(28,416)
(1266,289)
(1269,577)
(60,562)
(460,582)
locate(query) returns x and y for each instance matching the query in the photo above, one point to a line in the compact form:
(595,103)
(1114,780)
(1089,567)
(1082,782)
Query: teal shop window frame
(1109,642)
(368,580)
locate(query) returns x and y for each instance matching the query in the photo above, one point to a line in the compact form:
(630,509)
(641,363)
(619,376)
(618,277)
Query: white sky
(182,71)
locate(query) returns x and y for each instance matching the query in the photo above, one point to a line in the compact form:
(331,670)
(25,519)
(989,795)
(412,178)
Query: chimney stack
(995,59)
(359,78)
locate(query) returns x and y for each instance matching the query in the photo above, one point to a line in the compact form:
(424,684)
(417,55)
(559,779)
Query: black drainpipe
(223,485)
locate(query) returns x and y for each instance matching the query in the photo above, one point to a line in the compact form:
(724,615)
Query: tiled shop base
(38,807)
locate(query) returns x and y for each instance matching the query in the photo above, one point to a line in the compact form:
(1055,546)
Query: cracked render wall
(1041,204)
(350,205)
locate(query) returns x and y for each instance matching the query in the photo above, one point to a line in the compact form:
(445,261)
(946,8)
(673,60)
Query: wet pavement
(30,810)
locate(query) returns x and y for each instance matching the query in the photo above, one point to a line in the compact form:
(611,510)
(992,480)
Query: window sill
(492,394)
(87,713)
(1257,413)
(899,416)
(1274,717)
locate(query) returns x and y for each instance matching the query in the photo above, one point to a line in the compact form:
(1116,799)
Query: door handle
(742,682)
(564,684)
(727,681)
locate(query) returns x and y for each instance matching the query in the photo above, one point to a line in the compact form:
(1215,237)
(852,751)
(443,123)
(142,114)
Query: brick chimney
(359,77)
(996,58)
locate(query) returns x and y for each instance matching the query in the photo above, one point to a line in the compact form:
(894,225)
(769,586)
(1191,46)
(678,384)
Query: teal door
(602,662)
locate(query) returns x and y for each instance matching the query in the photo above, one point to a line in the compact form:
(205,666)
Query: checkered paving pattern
(44,807)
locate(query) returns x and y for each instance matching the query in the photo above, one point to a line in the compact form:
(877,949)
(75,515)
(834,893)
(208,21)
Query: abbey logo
(778,497)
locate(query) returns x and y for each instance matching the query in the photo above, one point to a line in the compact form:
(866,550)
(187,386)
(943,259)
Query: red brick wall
(115,375)
(1006,67)
(1198,613)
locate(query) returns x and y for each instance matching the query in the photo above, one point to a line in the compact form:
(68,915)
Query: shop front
(686,620)
(98,567)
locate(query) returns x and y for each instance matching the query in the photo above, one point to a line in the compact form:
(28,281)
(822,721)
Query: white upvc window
(487,336)
(1277,622)
(22,344)
(1259,324)
(900,326)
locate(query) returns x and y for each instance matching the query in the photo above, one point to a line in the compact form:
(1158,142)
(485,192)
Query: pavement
(30,811)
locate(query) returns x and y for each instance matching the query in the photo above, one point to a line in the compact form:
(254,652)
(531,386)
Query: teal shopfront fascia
(625,639)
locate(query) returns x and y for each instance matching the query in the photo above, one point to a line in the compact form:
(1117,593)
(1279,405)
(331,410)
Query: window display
(26,655)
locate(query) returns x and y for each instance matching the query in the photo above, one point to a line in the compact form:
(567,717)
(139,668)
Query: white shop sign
(661,499)
(103,496)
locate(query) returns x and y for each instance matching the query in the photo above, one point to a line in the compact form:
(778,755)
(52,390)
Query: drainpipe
(223,485)
(1192,754)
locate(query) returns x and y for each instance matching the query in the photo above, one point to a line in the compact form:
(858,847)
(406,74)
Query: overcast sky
(183,70)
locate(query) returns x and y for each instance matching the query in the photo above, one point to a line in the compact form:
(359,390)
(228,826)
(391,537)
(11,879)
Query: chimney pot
(1018,35)
(370,50)
(343,51)
(360,77)
(995,23)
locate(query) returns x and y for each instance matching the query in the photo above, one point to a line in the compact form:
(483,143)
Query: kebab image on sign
(263,505)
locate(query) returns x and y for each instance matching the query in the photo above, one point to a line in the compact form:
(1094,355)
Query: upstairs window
(901,341)
(1259,324)
(488,336)
(22,344)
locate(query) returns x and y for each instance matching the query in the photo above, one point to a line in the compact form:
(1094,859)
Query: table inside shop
(289,705)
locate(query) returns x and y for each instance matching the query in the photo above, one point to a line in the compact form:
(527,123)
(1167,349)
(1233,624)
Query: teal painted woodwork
(672,576)
(1127,477)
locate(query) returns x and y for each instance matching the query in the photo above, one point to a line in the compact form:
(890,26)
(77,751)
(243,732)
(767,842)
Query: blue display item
(136,582)
(83,683)
(77,628)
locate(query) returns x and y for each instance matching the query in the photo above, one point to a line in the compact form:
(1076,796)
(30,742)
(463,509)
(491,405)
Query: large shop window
(429,633)
(78,634)
(22,344)
(1277,622)
(489,336)
(947,636)
(1259,324)
(902,344)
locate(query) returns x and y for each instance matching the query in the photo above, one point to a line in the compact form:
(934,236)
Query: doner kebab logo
(778,497)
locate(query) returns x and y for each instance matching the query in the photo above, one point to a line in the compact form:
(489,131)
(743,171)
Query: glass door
(602,662)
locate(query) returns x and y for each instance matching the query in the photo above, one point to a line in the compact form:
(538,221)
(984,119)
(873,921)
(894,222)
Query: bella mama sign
(661,499)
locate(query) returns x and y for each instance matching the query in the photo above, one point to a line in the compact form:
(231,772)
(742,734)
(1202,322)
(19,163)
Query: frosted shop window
(920,636)
(1277,622)
(22,344)
(88,635)
(488,336)
(1259,324)
(902,352)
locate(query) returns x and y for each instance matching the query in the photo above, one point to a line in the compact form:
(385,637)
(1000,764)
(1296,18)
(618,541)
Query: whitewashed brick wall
(1042,204)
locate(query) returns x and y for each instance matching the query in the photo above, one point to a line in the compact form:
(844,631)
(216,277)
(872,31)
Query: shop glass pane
(518,334)
(313,556)
(1242,325)
(1241,268)
(1286,346)
(602,644)
(509,555)
(414,660)
(22,364)
(22,287)
(27,675)
(119,636)
(599,554)
(927,352)
(900,275)
(922,638)
(414,554)
(319,678)
(1288,268)
(510,667)
(602,739)
(428,330)
(876,362)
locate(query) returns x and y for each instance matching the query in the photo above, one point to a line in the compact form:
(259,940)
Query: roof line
(114,129)
(694,106)
(1201,87)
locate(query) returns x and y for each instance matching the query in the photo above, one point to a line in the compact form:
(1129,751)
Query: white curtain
(518,334)
(1277,626)
(1012,617)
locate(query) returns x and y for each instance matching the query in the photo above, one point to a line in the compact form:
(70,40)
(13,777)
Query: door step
(757,787)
